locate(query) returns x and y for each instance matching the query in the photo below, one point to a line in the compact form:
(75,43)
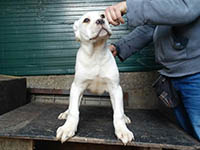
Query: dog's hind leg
(63,115)
(127,119)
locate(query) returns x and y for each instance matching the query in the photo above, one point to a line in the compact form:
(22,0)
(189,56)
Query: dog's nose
(100,21)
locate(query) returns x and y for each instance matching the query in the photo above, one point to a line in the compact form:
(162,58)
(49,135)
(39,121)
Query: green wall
(36,37)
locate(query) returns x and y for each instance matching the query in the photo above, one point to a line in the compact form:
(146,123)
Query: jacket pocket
(166,53)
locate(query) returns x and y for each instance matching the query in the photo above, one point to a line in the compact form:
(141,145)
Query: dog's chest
(97,71)
(98,85)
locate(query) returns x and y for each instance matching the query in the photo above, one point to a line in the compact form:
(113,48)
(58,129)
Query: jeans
(188,112)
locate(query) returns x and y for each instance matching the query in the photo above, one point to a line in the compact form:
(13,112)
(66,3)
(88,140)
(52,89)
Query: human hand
(113,50)
(115,12)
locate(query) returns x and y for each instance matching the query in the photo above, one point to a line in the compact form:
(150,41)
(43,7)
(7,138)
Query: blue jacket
(173,26)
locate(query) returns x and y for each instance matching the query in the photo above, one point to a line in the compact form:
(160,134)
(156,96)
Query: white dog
(97,71)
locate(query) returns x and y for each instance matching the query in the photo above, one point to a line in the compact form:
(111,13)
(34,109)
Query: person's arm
(134,41)
(156,12)
(162,12)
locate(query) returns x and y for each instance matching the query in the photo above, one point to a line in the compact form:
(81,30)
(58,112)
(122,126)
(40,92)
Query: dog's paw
(124,135)
(122,132)
(65,132)
(68,130)
(127,119)
(63,115)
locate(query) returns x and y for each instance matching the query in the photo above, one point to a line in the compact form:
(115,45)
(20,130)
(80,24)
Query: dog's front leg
(119,118)
(63,115)
(70,126)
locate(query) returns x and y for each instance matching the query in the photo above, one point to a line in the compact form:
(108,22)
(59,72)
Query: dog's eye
(86,20)
(102,16)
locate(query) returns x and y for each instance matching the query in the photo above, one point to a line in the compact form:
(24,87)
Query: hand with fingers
(115,12)
(113,50)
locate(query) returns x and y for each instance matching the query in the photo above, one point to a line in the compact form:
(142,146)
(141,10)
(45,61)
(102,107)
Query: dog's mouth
(108,33)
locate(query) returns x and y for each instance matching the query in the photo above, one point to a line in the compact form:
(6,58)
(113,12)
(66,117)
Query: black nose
(100,21)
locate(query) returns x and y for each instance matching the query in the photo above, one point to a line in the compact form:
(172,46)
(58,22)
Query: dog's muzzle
(108,33)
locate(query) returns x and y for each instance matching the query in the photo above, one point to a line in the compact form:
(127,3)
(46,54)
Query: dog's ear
(76,30)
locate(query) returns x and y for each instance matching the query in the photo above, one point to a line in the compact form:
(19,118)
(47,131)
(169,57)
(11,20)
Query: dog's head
(91,27)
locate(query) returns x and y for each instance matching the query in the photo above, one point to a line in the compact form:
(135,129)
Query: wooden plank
(64,92)
(52,145)
(15,144)
(39,122)
(67,92)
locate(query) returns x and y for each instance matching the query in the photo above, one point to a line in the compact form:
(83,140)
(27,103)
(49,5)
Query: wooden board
(55,145)
(39,121)
(15,144)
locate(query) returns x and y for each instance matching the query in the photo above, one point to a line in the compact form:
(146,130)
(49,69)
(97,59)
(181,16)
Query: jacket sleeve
(162,12)
(134,41)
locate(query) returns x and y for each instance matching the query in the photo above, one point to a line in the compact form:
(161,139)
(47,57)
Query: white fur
(97,71)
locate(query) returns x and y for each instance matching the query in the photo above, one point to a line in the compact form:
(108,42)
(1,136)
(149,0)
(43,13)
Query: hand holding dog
(114,13)
(113,50)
